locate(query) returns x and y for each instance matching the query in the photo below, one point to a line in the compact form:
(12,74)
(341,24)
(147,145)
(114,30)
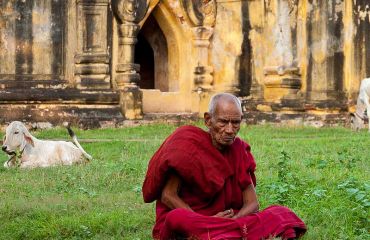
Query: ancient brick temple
(107,61)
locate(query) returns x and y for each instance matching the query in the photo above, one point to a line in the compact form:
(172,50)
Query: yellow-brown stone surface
(170,56)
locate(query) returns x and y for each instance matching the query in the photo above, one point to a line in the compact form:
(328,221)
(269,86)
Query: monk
(203,183)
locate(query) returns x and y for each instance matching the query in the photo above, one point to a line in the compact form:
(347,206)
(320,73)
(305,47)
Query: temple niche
(103,62)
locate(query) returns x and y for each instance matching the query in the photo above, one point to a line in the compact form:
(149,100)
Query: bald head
(223,98)
(223,119)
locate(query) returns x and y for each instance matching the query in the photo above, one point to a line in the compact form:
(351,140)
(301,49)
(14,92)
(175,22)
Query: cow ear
(29,139)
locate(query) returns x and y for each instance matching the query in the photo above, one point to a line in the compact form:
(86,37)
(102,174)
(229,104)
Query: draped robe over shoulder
(211,181)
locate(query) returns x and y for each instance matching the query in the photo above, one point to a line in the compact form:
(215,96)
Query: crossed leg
(184,224)
(271,222)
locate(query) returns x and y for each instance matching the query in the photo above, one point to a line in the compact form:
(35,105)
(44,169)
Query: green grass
(321,174)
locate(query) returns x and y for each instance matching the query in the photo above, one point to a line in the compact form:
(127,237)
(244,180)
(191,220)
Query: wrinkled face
(224,125)
(14,137)
(356,123)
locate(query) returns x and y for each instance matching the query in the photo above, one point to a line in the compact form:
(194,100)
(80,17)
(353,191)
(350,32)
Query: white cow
(26,151)
(363,105)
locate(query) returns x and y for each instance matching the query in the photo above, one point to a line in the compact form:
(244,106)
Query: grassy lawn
(321,174)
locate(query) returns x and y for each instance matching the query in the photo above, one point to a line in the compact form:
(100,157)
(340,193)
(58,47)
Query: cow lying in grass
(359,117)
(26,151)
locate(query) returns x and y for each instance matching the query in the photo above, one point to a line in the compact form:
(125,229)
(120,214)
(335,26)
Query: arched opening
(151,53)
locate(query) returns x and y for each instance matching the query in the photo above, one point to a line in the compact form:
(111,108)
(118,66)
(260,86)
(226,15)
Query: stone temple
(96,62)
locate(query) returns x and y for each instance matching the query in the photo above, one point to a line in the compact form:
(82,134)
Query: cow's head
(357,122)
(16,137)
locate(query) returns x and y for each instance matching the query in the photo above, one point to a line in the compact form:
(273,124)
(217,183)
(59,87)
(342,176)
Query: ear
(207,119)
(28,139)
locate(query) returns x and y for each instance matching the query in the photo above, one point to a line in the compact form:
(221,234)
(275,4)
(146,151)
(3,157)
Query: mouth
(10,152)
(228,139)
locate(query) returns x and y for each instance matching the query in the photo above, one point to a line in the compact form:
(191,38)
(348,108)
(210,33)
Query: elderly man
(204,183)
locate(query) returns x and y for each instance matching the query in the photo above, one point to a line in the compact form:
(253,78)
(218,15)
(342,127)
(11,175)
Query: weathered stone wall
(55,62)
(307,62)
(31,44)
(291,61)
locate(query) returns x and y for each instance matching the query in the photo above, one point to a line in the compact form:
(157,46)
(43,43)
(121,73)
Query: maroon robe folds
(211,181)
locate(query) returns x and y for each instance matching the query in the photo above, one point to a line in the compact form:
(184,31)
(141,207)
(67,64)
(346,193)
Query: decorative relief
(128,32)
(92,30)
(200,13)
(92,59)
(281,83)
(130,10)
(201,16)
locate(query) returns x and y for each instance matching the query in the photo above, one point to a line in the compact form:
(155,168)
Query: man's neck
(219,147)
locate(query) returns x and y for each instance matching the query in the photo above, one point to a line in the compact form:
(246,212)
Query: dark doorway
(151,53)
(144,56)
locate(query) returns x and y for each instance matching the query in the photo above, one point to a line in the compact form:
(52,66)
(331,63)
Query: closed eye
(16,132)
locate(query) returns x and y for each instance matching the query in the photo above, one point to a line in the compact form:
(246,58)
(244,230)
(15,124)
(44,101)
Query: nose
(229,128)
(3,147)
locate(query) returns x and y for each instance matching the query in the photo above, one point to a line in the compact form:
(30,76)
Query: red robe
(211,182)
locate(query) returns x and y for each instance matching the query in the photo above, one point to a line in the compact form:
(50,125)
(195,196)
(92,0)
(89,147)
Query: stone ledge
(298,119)
(84,116)
(67,95)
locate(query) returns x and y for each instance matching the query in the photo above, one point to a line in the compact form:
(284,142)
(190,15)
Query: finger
(225,214)
(229,212)
(220,214)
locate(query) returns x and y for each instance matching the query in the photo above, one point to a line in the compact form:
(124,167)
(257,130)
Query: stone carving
(203,71)
(200,13)
(201,16)
(130,10)
(92,56)
(281,83)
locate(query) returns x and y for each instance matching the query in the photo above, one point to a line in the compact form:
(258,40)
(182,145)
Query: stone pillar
(203,71)
(201,16)
(281,75)
(127,71)
(256,10)
(128,14)
(325,74)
